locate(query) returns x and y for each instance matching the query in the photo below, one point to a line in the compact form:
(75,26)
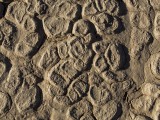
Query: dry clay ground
(79,60)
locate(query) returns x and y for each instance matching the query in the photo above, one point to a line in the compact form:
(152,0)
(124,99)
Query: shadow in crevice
(118,113)
(127,57)
(123,8)
(121,27)
(39,98)
(42,37)
(4,9)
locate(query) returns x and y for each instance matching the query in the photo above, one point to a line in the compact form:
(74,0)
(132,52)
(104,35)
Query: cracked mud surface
(79,60)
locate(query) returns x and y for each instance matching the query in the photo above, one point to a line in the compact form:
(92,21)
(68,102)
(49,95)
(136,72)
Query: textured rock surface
(79,60)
